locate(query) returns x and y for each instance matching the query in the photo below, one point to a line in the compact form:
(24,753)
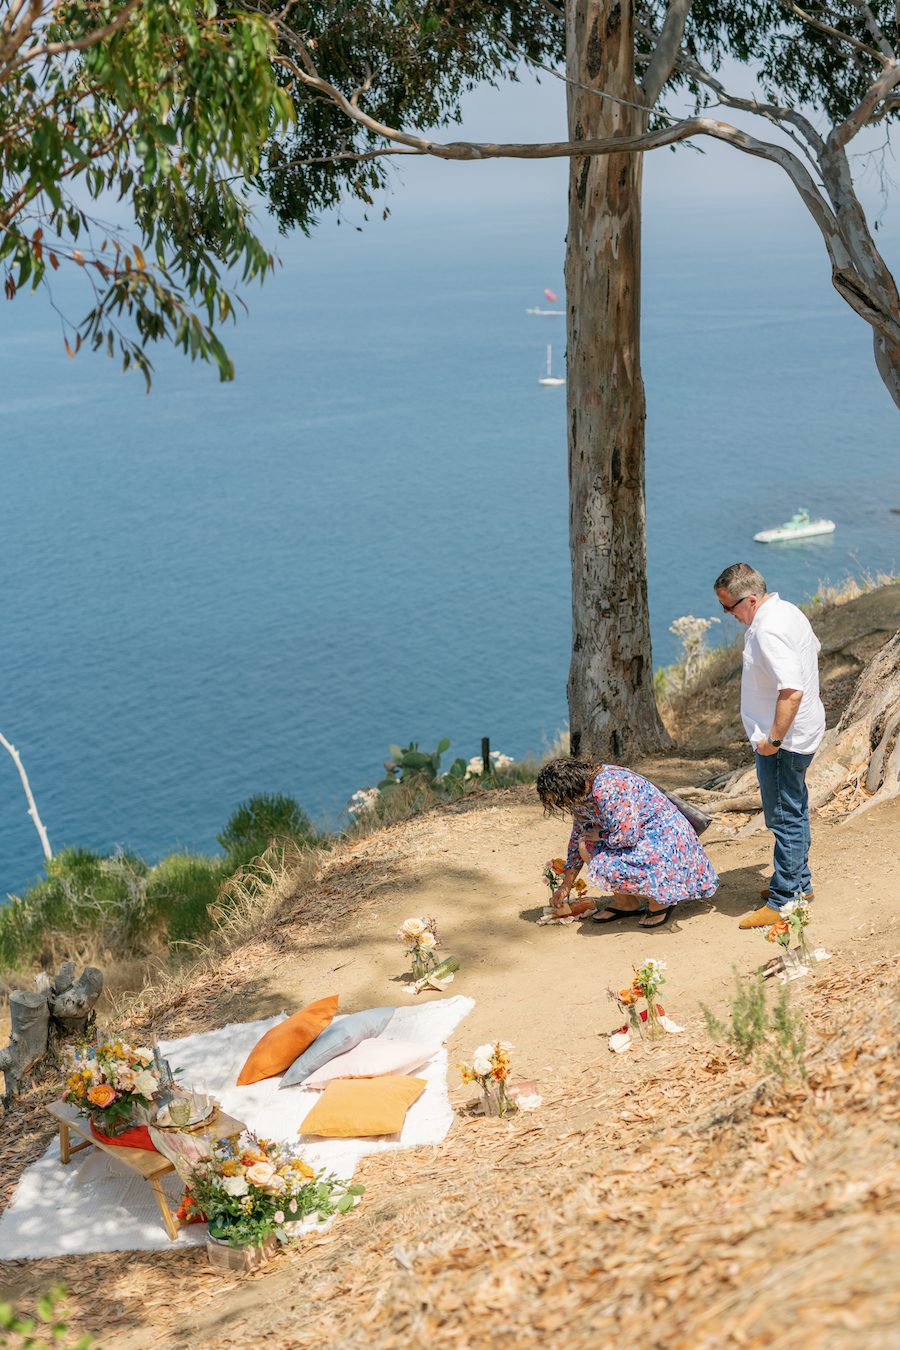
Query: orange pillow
(351,1108)
(281,1045)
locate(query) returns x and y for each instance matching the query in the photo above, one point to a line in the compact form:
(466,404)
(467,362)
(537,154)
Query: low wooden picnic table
(150,1165)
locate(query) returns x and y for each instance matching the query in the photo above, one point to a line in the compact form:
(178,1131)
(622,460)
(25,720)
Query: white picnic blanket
(96,1204)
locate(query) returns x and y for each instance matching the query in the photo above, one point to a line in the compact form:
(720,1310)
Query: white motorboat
(545,312)
(798,527)
(553,381)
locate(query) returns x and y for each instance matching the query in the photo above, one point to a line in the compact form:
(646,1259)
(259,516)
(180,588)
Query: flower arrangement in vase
(252,1190)
(790,927)
(114,1083)
(646,984)
(491,1069)
(421,941)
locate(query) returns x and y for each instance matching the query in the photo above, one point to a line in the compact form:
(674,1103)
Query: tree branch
(866,108)
(32,807)
(665,53)
(875,29)
(91,39)
(831,32)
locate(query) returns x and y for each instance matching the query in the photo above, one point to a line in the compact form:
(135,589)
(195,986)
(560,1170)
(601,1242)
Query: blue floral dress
(646,845)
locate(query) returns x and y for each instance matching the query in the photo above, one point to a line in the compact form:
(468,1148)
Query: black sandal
(652,913)
(614,914)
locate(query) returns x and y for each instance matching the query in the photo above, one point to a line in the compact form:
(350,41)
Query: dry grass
(667,1199)
(851,588)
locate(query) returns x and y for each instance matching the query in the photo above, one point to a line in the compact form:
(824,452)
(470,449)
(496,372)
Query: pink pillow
(372,1058)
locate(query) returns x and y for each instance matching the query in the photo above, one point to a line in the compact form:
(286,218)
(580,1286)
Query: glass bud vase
(494,1100)
(653,1028)
(789,963)
(806,949)
(418,965)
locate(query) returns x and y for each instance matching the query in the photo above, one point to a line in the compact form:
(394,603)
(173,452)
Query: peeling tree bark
(612,709)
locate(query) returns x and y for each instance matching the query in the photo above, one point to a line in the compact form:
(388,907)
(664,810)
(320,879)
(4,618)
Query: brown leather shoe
(807,895)
(760,918)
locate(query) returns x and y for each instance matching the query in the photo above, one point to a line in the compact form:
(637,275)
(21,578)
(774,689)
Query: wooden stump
(30,1017)
(40,1019)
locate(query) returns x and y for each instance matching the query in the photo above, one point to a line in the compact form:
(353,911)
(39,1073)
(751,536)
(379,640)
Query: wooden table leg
(168,1217)
(65,1151)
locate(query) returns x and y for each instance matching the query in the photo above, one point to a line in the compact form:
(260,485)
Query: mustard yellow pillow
(281,1045)
(351,1108)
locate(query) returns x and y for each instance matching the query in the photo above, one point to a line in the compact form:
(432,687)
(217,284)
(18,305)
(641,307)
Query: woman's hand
(560,896)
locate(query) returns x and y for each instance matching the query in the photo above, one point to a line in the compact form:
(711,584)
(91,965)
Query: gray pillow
(344,1034)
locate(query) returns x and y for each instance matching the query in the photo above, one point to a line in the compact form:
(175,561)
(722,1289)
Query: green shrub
(775,1038)
(83,892)
(260,820)
(179,890)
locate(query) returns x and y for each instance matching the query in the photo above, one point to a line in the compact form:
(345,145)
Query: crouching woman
(634,842)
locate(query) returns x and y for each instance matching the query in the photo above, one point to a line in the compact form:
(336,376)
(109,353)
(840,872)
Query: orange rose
(778,930)
(102,1095)
(251,1156)
(559,866)
(627,996)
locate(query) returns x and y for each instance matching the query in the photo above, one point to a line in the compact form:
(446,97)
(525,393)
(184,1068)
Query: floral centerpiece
(421,941)
(491,1069)
(113,1083)
(251,1189)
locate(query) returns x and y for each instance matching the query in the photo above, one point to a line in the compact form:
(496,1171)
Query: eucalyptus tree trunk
(612,709)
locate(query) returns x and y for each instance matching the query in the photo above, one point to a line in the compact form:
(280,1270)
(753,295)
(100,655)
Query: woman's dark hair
(563,783)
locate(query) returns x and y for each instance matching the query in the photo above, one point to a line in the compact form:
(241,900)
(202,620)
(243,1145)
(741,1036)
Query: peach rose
(102,1095)
(260,1174)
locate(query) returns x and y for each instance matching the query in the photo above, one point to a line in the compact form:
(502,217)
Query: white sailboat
(554,381)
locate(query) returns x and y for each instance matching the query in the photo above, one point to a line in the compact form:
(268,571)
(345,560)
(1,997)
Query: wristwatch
(776,743)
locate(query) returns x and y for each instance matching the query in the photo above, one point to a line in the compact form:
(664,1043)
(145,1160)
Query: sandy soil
(477,870)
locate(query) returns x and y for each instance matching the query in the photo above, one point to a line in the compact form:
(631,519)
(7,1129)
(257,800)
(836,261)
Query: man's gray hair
(741,580)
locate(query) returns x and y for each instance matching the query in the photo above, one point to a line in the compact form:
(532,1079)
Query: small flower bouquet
(790,928)
(646,984)
(113,1083)
(554,870)
(420,938)
(491,1069)
(253,1189)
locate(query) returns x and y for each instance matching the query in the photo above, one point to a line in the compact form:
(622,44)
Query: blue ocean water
(220,590)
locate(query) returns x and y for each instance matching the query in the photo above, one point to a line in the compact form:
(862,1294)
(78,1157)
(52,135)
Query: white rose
(145,1083)
(427,941)
(482,1065)
(143,1054)
(413,928)
(486,1049)
(235,1186)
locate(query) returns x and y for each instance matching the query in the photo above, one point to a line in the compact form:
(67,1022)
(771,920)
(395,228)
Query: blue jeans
(782,785)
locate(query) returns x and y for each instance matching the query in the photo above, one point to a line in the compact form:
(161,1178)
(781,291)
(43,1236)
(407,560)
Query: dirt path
(477,867)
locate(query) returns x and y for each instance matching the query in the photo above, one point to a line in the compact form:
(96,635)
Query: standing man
(784,720)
